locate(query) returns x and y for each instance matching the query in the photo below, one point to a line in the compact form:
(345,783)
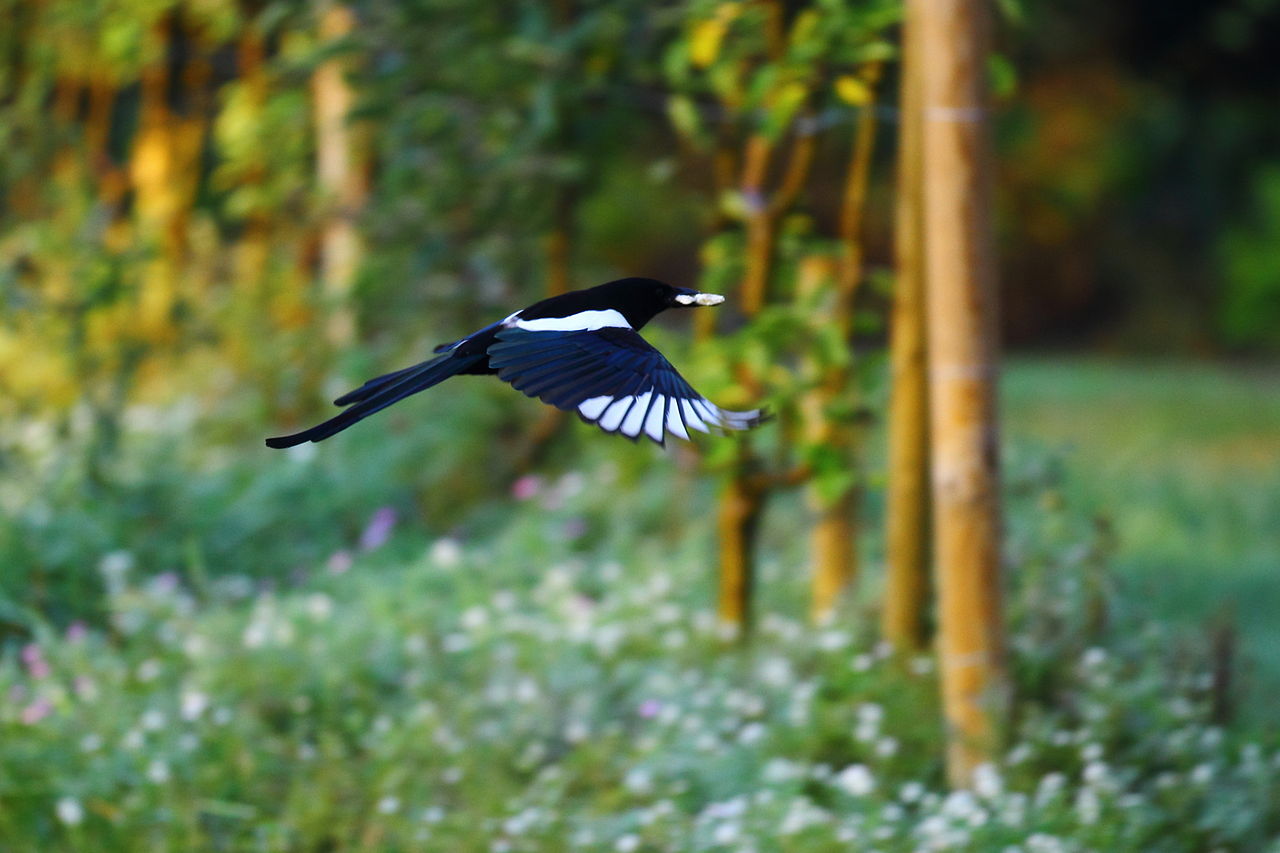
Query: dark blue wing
(611,377)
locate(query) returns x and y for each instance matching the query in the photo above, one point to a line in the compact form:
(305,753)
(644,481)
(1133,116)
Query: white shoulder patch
(583,321)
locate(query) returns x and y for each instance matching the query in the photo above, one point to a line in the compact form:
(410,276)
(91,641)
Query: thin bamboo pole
(340,175)
(907,511)
(960,289)
(832,542)
(833,537)
(737,520)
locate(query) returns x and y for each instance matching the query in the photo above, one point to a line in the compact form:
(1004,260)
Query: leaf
(1003,76)
(876,51)
(784,102)
(684,116)
(704,43)
(854,90)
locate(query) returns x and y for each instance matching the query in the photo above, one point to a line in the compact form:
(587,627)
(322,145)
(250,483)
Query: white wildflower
(857,780)
(726,810)
(627,843)
(1042,843)
(911,792)
(1093,658)
(775,671)
(778,770)
(961,805)
(193,704)
(445,553)
(576,731)
(453,643)
(1049,787)
(319,606)
(638,781)
(69,811)
(158,772)
(870,712)
(114,566)
(388,805)
(1088,806)
(152,720)
(887,747)
(987,782)
(726,833)
(475,618)
(922,665)
(830,641)
(1097,774)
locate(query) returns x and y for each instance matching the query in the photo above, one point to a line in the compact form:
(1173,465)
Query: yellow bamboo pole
(907,510)
(960,290)
(340,175)
(832,536)
(737,520)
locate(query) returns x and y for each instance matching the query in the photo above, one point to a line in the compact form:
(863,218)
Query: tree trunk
(738,519)
(832,544)
(341,176)
(163,169)
(907,510)
(959,283)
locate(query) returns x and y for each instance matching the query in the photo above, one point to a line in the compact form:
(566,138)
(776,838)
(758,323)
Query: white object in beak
(699,298)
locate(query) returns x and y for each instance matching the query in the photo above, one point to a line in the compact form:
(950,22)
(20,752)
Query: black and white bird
(581,352)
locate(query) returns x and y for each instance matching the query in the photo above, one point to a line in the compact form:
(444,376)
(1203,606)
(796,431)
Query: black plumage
(579,352)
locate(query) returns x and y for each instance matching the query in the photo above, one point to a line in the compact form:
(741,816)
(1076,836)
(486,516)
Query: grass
(278,661)
(1184,460)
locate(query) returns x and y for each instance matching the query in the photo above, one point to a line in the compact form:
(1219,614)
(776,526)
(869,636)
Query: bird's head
(641,299)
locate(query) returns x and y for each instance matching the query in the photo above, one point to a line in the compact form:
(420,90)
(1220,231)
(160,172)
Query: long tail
(376,394)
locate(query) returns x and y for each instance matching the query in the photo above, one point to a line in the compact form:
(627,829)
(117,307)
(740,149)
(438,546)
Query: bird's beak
(699,299)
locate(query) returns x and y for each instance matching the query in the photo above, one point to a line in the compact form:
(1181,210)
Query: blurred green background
(462,626)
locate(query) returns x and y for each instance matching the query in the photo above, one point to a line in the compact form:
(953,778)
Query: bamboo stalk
(832,542)
(340,175)
(737,520)
(759,224)
(907,501)
(960,289)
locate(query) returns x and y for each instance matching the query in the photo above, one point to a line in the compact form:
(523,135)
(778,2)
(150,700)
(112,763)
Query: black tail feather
(376,394)
(374,385)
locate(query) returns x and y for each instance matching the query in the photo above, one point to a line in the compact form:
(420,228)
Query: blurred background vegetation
(219,214)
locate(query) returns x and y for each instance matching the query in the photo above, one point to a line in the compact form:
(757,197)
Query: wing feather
(613,378)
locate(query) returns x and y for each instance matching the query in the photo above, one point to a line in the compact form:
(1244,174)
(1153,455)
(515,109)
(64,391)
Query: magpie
(578,351)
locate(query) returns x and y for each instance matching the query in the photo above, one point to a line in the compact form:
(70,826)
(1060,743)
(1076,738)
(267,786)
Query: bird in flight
(579,351)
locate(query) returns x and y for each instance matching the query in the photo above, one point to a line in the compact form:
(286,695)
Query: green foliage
(520,686)
(1249,261)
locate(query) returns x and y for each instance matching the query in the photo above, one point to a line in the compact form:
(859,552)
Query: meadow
(320,650)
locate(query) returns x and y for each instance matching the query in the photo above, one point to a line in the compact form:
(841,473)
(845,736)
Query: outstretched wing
(613,378)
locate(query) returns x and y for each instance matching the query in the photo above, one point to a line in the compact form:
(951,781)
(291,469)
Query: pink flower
(77,632)
(36,711)
(378,530)
(340,562)
(649,708)
(526,487)
(35,662)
